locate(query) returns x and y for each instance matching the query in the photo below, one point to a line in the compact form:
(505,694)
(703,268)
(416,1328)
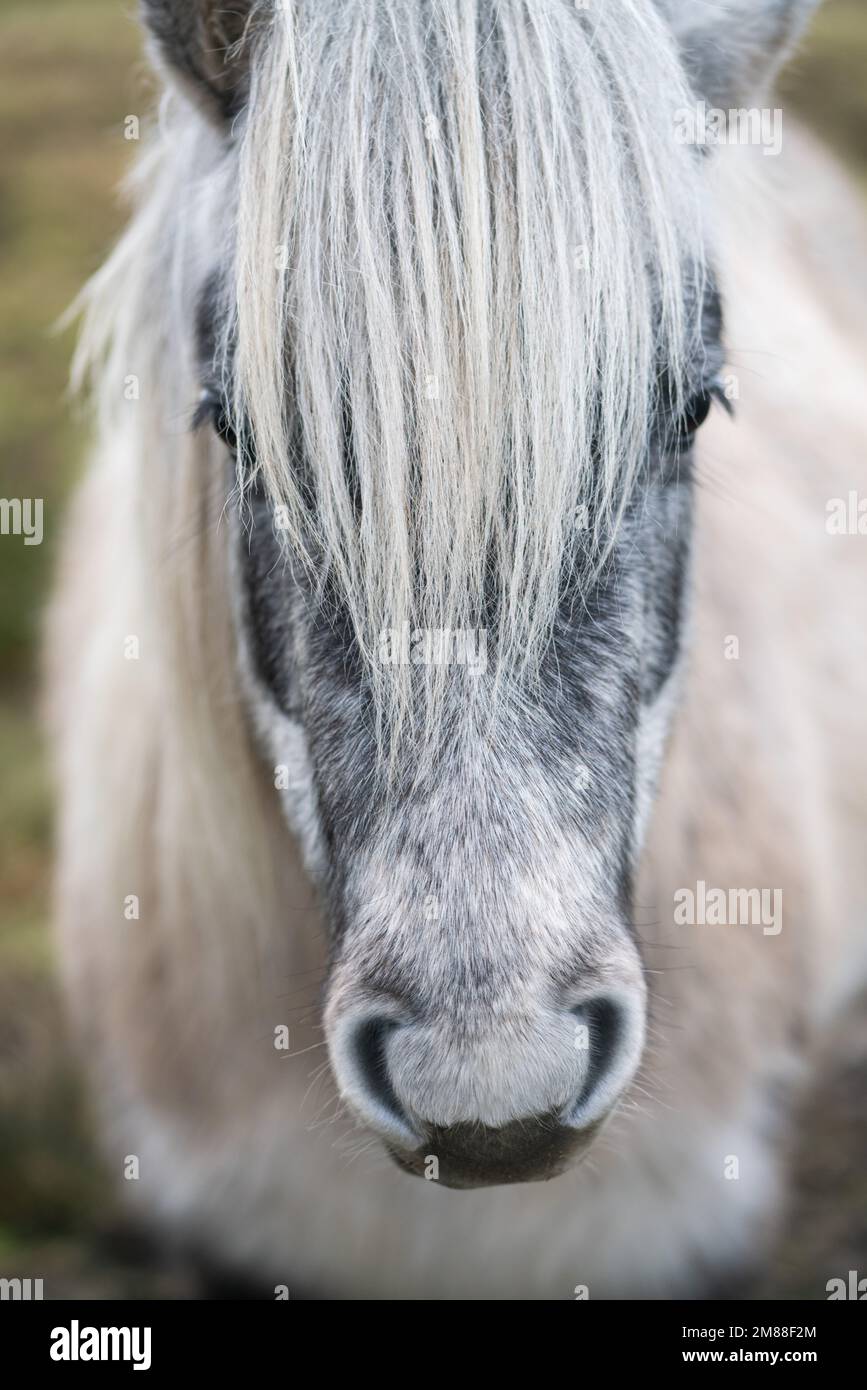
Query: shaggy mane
(460,245)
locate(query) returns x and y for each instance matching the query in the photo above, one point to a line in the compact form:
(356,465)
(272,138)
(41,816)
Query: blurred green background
(70,72)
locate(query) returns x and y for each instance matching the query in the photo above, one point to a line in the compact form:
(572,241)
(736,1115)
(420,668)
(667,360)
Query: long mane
(462,243)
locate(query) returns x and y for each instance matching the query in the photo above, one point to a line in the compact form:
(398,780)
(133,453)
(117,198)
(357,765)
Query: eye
(224,428)
(696,413)
(212,410)
(697,410)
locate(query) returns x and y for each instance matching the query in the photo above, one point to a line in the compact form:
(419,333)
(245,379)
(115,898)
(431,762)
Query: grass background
(70,72)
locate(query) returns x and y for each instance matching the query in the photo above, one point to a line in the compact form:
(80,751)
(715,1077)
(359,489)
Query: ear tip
(196,40)
(733,49)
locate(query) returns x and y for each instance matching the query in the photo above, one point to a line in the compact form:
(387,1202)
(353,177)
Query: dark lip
(466,1178)
(473,1155)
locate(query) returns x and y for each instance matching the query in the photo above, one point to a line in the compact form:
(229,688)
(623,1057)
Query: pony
(457,712)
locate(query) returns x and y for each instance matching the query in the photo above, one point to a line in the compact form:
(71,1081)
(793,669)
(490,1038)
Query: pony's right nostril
(370,1041)
(361,1064)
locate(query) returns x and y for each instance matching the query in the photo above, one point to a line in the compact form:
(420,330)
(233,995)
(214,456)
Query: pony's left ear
(205,46)
(732,49)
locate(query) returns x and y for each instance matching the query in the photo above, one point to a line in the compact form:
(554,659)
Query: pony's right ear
(204,45)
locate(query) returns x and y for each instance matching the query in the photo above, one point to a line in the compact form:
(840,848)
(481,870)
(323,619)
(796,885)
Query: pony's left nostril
(611,1028)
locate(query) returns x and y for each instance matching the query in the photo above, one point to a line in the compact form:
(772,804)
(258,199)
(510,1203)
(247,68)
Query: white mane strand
(462,230)
(467,227)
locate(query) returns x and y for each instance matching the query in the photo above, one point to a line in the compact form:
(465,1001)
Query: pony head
(448,301)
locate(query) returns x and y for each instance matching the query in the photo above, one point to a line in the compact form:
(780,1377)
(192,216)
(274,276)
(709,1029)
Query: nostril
(603,1021)
(613,1032)
(361,1064)
(369,1041)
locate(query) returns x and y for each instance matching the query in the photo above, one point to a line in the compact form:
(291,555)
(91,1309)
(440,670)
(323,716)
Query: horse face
(485,1003)
(475,839)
